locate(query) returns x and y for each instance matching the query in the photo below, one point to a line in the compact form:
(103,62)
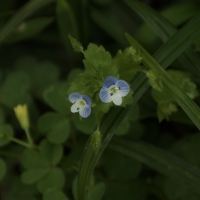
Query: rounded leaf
(54,194)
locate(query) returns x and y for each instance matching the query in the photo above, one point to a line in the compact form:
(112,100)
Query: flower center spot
(82,102)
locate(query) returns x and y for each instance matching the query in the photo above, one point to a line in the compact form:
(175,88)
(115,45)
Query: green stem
(28,135)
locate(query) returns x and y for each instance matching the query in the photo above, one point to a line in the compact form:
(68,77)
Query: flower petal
(104,95)
(117,99)
(85,112)
(74,97)
(110,80)
(123,87)
(87,100)
(76,107)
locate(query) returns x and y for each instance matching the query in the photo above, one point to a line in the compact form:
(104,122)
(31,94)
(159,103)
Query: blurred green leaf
(32,175)
(49,120)
(59,133)
(160,160)
(18,190)
(29,8)
(66,21)
(2,168)
(53,153)
(73,74)
(56,97)
(54,179)
(28,29)
(15,89)
(97,191)
(2,116)
(5,129)
(178,13)
(123,127)
(125,190)
(87,125)
(32,159)
(37,72)
(54,194)
(177,191)
(120,167)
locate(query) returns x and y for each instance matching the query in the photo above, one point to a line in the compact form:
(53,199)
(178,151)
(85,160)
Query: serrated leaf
(2,168)
(54,179)
(5,129)
(14,89)
(56,97)
(28,29)
(32,159)
(128,63)
(59,133)
(54,194)
(32,175)
(53,153)
(48,120)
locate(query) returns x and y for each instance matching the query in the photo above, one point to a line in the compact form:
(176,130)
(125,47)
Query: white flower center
(113,90)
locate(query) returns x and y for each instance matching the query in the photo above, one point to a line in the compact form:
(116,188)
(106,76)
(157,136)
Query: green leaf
(189,106)
(176,191)
(165,30)
(56,97)
(59,133)
(22,14)
(66,20)
(5,129)
(37,73)
(123,127)
(28,29)
(32,159)
(14,89)
(128,62)
(2,168)
(53,153)
(49,120)
(73,74)
(32,175)
(54,179)
(125,190)
(120,167)
(160,160)
(54,194)
(97,191)
(75,44)
(87,125)
(2,117)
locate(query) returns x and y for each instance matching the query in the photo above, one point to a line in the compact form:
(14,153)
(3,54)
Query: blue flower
(81,104)
(113,90)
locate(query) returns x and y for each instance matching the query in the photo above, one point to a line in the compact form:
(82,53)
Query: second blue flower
(113,90)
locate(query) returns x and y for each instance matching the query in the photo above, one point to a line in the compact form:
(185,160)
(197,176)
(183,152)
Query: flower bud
(21,112)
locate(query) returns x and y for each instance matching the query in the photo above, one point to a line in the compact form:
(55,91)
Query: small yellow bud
(21,112)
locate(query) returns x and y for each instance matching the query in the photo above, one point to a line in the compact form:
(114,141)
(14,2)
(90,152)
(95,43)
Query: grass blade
(28,9)
(164,29)
(160,160)
(189,106)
